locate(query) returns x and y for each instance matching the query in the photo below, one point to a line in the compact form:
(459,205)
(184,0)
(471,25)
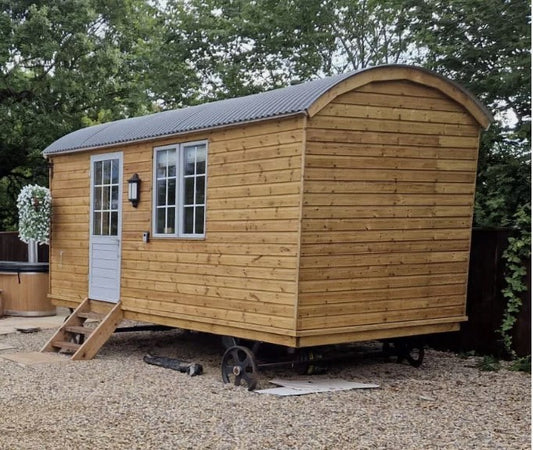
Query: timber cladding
(387,208)
(242,276)
(348,221)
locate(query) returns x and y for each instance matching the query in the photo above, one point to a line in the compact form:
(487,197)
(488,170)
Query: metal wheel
(413,353)
(238,365)
(415,356)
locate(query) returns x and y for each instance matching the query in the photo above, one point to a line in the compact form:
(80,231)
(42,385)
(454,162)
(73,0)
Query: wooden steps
(85,342)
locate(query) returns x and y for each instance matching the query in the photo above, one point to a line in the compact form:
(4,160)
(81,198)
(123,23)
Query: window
(179,190)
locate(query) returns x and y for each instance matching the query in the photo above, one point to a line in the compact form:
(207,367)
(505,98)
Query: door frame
(96,158)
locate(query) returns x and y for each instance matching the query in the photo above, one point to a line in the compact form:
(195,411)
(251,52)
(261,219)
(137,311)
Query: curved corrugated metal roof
(288,101)
(291,100)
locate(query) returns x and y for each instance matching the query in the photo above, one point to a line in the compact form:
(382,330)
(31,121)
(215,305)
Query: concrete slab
(33,358)
(9,324)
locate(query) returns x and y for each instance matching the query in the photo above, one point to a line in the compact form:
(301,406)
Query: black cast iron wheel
(415,356)
(238,366)
(412,352)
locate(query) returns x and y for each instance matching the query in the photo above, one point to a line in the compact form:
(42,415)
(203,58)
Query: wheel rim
(238,367)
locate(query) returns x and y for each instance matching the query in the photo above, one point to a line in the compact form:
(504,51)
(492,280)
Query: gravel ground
(117,401)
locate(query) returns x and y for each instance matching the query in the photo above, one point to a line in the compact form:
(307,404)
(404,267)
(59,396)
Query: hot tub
(24,289)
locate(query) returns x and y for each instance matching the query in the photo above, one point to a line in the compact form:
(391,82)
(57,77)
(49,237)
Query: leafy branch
(516,256)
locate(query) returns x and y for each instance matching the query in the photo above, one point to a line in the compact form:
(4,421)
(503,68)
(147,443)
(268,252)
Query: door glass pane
(199,220)
(189,191)
(171,199)
(97,224)
(105,223)
(200,159)
(105,199)
(200,190)
(114,197)
(114,224)
(107,172)
(114,171)
(160,226)
(97,198)
(188,220)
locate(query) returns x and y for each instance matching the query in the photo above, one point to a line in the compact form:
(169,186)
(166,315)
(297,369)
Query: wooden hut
(333,211)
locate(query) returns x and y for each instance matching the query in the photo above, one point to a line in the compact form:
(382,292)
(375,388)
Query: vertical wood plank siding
(241,279)
(387,208)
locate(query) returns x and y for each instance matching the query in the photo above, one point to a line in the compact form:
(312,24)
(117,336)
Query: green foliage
(517,255)
(521,364)
(489,364)
(63,63)
(485,46)
(240,47)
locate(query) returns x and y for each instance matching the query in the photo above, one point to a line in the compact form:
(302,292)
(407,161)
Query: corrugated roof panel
(279,102)
(296,99)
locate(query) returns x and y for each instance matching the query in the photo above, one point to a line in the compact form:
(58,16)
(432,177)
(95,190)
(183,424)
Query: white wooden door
(105,227)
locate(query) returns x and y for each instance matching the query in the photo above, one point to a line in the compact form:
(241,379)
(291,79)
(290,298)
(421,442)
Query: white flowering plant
(35,209)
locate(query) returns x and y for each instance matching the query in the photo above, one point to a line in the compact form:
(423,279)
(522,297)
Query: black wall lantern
(134,191)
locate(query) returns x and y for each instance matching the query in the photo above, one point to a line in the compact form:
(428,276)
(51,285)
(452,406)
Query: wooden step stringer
(110,315)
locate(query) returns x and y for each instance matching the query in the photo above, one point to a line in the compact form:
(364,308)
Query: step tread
(79,329)
(91,315)
(66,345)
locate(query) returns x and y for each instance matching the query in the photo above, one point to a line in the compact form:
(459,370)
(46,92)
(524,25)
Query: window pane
(97,198)
(199,220)
(171,191)
(114,171)
(97,226)
(188,219)
(200,190)
(188,161)
(200,159)
(161,164)
(114,198)
(171,221)
(98,172)
(189,191)
(107,172)
(171,164)
(114,224)
(105,223)
(105,197)
(160,226)
(161,192)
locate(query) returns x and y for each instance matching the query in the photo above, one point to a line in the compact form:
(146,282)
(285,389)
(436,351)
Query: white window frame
(180,191)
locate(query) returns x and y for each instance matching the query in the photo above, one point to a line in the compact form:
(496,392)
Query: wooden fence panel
(485,301)
(13,249)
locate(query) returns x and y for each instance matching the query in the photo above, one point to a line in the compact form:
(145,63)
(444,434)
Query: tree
(239,47)
(65,64)
(485,46)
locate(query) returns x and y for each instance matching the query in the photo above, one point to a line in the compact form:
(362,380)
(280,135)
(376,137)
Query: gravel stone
(117,401)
